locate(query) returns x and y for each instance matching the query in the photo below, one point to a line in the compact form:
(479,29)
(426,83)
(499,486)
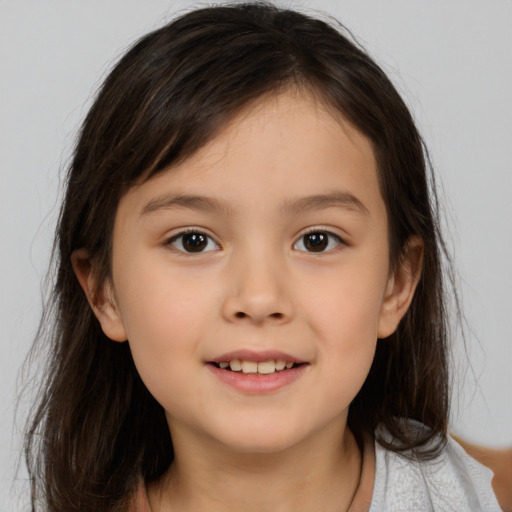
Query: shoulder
(452,481)
(500,462)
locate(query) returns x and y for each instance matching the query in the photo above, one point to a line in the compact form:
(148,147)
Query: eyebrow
(209,204)
(192,202)
(322,201)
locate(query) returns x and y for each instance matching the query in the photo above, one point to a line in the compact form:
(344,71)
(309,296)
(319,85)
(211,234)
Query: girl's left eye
(193,242)
(317,241)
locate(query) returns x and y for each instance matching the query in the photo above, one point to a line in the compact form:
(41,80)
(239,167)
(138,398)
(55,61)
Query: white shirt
(452,482)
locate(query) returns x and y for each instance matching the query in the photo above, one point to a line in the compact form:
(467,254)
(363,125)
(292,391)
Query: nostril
(241,314)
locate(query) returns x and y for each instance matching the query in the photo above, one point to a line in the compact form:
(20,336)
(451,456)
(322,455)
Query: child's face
(286,257)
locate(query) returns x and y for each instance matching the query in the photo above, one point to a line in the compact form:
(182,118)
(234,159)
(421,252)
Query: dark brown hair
(96,430)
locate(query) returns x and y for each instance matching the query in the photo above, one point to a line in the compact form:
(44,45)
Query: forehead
(281,124)
(289,144)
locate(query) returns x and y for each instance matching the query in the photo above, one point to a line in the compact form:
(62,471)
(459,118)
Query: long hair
(96,430)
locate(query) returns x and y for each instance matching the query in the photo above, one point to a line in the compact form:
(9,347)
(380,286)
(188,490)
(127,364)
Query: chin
(261,438)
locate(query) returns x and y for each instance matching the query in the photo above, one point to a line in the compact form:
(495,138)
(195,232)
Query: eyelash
(330,236)
(180,236)
(208,240)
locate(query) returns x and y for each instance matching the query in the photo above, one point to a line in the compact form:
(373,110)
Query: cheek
(344,315)
(165,317)
(349,339)
(346,305)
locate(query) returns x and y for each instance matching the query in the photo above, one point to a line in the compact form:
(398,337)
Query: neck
(321,473)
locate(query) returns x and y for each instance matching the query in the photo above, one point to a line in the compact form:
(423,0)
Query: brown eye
(318,241)
(315,242)
(193,241)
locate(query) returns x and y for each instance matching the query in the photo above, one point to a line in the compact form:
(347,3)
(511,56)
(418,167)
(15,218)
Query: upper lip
(259,356)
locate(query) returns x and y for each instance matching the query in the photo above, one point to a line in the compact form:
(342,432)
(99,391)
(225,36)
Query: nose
(258,292)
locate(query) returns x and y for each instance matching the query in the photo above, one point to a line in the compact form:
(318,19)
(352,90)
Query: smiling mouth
(253,367)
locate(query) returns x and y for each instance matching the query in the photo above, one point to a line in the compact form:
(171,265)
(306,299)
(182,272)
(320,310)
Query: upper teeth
(264,367)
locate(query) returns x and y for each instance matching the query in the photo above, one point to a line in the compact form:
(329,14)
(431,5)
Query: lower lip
(253,383)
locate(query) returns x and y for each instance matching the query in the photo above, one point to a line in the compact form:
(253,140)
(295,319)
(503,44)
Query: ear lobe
(99,295)
(401,287)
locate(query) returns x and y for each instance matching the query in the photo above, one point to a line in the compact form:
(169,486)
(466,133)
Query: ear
(401,287)
(99,295)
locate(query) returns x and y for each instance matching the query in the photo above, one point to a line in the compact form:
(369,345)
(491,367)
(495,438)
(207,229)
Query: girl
(249,305)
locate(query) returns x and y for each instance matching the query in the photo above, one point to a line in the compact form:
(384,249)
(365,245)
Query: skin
(257,287)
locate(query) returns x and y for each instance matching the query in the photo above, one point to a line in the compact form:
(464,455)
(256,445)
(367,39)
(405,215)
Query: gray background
(451,59)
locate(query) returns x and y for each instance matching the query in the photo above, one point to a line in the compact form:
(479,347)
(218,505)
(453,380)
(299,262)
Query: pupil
(315,242)
(194,242)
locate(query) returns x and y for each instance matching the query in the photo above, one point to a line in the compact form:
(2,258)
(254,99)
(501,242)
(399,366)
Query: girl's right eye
(193,242)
